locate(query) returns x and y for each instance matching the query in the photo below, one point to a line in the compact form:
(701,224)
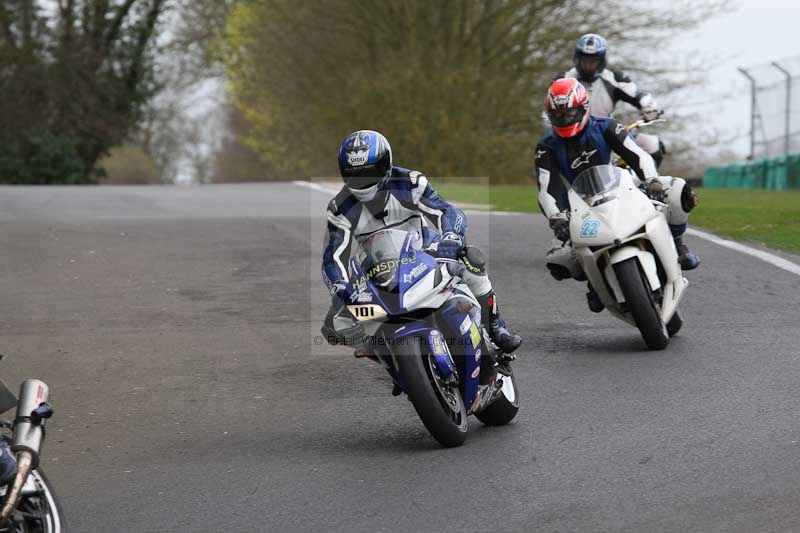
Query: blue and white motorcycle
(423,324)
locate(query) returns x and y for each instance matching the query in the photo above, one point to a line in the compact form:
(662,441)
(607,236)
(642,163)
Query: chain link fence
(775,108)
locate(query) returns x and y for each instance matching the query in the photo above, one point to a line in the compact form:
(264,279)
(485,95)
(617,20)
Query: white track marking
(772,259)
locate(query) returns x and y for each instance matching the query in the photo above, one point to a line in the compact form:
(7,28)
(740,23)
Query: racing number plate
(366,312)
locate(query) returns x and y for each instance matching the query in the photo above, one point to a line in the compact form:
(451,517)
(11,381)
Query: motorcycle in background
(622,244)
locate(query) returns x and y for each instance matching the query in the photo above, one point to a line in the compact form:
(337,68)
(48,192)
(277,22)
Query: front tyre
(438,404)
(504,408)
(640,302)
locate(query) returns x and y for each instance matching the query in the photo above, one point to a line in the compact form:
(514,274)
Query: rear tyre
(503,409)
(40,511)
(674,325)
(438,404)
(640,302)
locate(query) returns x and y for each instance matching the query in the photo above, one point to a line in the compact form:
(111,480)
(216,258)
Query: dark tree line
(74,75)
(456,85)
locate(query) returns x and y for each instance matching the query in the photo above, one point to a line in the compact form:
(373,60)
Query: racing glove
(448,247)
(649,109)
(559,223)
(654,189)
(338,294)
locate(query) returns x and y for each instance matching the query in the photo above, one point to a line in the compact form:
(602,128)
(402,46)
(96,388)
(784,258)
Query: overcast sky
(755,33)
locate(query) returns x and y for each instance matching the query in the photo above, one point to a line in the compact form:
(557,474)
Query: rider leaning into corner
(376,195)
(606,87)
(578,141)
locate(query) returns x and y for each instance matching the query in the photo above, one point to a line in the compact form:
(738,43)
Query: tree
(74,75)
(456,85)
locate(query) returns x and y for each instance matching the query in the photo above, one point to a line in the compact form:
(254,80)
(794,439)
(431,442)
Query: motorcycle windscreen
(380,256)
(598,184)
(7,398)
(388,259)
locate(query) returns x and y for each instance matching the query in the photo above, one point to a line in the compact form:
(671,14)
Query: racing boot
(686,259)
(592,298)
(504,338)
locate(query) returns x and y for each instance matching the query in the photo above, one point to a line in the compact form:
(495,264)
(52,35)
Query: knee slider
(688,198)
(475,260)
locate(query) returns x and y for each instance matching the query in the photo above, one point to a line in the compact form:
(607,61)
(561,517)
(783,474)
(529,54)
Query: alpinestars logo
(619,129)
(540,153)
(582,159)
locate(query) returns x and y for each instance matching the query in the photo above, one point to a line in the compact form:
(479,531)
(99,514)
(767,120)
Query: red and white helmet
(567,106)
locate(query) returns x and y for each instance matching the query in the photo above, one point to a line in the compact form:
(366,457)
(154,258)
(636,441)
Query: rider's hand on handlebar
(338,294)
(649,109)
(559,223)
(654,189)
(448,247)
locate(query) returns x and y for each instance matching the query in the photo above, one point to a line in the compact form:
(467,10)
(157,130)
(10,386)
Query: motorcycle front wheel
(641,304)
(439,404)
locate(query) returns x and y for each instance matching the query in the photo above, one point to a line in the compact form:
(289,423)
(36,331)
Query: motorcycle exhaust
(28,428)
(27,440)
(14,491)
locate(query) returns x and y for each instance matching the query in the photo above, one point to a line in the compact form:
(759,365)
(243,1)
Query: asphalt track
(176,329)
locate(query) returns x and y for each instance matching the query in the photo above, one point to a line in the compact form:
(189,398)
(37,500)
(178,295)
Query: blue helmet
(365,158)
(592,49)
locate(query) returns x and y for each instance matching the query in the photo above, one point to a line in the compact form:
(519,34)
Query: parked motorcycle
(29,503)
(424,325)
(623,245)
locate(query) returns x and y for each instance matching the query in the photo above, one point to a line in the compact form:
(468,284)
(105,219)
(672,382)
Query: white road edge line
(767,257)
(772,259)
(315,186)
(331,190)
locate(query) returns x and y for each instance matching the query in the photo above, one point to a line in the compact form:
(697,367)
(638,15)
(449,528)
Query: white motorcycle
(623,245)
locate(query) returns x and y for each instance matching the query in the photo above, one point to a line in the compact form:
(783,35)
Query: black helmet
(365,158)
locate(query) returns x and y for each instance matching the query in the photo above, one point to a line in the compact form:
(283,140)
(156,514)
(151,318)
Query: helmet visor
(566,116)
(588,66)
(362,177)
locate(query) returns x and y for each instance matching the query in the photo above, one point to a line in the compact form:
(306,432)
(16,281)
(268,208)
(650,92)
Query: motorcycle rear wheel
(503,410)
(40,512)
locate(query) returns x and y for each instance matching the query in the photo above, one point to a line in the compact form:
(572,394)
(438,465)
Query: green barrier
(776,173)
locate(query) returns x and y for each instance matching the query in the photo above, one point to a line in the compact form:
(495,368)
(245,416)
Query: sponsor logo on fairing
(419,269)
(388,265)
(478,354)
(364,297)
(475,335)
(476,372)
(467,322)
